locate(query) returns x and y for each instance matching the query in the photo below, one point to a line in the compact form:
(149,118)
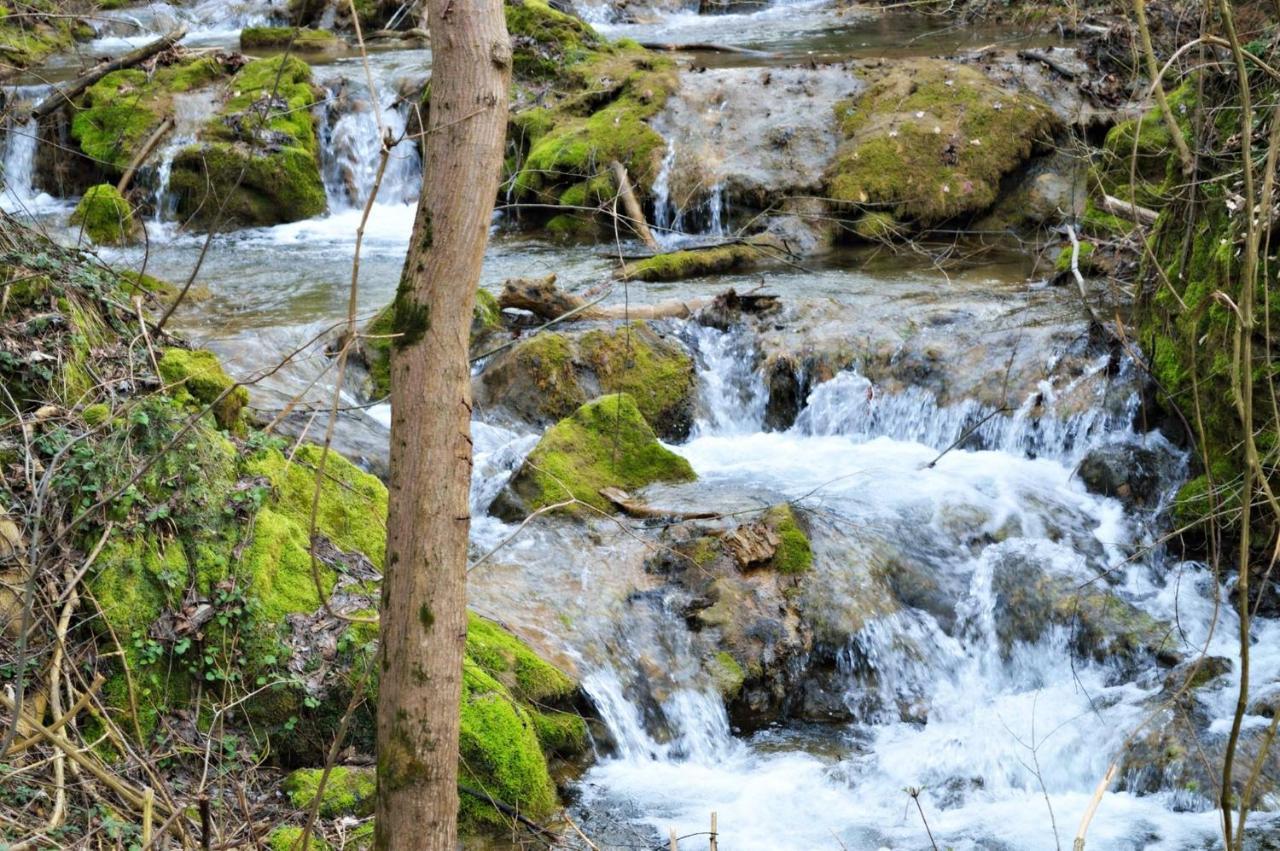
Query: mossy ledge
(605,443)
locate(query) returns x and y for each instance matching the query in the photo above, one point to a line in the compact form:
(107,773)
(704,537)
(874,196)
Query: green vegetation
(694,262)
(196,378)
(930,140)
(347,791)
(657,374)
(291,38)
(605,443)
(258,161)
(794,554)
(32,30)
(105,216)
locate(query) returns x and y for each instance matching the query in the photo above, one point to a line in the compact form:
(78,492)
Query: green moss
(352,510)
(727,674)
(560,733)
(691,263)
(34,30)
(499,753)
(196,376)
(547,361)
(293,38)
(105,216)
(289,838)
(511,662)
(1137,161)
(277,564)
(658,375)
(794,554)
(347,791)
(605,443)
(96,414)
(258,160)
(1084,259)
(876,226)
(930,140)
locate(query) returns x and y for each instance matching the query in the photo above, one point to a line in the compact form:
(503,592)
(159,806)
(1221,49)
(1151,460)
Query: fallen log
(145,151)
(703,47)
(404,35)
(633,507)
(542,298)
(635,214)
(1126,210)
(64,95)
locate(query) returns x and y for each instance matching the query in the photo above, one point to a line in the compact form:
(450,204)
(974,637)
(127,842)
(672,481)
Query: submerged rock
(605,443)
(931,140)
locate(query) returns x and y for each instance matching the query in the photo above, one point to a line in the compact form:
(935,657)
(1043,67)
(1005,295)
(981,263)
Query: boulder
(546,377)
(1138,472)
(605,443)
(105,216)
(257,162)
(930,140)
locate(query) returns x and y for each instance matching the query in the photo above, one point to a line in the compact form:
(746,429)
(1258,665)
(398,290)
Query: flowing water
(1003,744)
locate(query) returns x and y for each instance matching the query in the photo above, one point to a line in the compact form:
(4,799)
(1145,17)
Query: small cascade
(667,217)
(191,110)
(21,138)
(851,405)
(730,387)
(352,144)
(704,213)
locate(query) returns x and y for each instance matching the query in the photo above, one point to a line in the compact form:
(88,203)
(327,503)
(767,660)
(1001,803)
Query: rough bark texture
(424,620)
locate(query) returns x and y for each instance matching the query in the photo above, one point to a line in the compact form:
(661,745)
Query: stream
(1004,744)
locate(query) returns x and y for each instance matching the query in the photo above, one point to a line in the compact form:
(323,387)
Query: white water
(351,146)
(191,110)
(860,463)
(18,162)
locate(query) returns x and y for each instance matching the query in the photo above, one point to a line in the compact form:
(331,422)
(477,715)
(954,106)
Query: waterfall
(351,147)
(191,111)
(674,223)
(20,140)
(667,217)
(730,389)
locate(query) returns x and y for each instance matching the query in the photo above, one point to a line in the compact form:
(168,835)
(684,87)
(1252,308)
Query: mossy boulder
(930,140)
(348,791)
(605,443)
(33,30)
(105,216)
(196,377)
(374,347)
(548,376)
(257,161)
(581,103)
(116,115)
(291,38)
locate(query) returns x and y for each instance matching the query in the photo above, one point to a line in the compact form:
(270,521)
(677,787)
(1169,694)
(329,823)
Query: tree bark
(424,622)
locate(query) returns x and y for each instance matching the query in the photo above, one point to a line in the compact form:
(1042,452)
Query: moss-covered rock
(289,838)
(116,115)
(257,161)
(581,102)
(105,216)
(348,791)
(930,140)
(196,377)
(546,377)
(794,553)
(32,30)
(605,443)
(292,38)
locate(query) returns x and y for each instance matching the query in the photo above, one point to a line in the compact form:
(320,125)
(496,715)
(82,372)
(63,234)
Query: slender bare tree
(424,619)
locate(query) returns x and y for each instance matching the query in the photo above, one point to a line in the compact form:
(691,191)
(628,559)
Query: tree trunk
(424,620)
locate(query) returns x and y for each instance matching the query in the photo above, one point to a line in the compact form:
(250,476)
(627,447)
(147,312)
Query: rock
(931,140)
(291,38)
(1050,190)
(546,377)
(105,216)
(196,377)
(605,443)
(1102,625)
(257,162)
(1137,472)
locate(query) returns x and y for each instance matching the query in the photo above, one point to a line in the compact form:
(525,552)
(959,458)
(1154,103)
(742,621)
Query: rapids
(1003,746)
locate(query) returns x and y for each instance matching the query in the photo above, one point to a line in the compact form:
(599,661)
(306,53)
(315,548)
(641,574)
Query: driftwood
(541,297)
(635,508)
(1125,210)
(1049,62)
(145,151)
(702,47)
(63,95)
(635,214)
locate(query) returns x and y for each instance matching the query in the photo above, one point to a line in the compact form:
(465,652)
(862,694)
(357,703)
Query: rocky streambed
(898,526)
